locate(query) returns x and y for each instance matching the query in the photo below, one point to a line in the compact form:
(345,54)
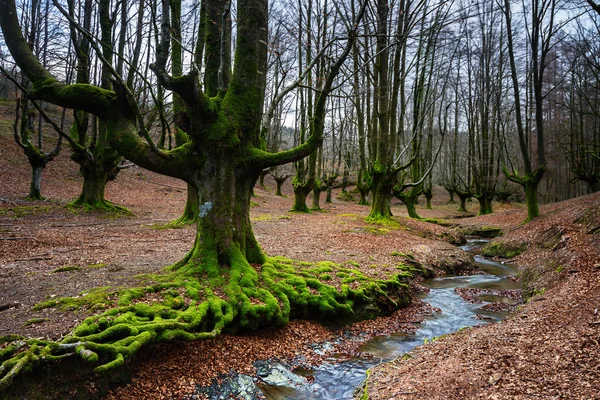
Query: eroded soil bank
(549,348)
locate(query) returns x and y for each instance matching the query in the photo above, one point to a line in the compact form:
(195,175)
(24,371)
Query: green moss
(481,231)
(263,217)
(405,255)
(439,221)
(105,206)
(345,196)
(95,299)
(97,265)
(387,222)
(35,321)
(23,211)
(66,268)
(194,300)
(370,229)
(503,249)
(254,204)
(365,388)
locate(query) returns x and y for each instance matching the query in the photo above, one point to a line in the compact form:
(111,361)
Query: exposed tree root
(200,300)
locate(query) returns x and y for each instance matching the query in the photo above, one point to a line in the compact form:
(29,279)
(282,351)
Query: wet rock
(230,386)
(275,374)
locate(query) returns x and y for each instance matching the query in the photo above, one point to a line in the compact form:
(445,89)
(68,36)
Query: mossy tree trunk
(329,181)
(261,178)
(382,185)
(540,35)
(531,189)
(318,188)
(225,271)
(463,196)
(428,193)
(23,131)
(485,203)
(35,192)
(450,195)
(279,181)
(410,199)
(301,192)
(364,187)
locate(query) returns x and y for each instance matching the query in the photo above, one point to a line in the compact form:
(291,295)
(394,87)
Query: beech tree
(225,280)
(25,134)
(541,27)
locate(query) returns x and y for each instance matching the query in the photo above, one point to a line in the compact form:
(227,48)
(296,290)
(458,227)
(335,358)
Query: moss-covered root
(197,301)
(99,205)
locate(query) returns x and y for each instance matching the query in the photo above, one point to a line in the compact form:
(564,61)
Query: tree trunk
(92,193)
(363,190)
(531,189)
(410,200)
(261,181)
(593,184)
(279,184)
(382,195)
(451,196)
(428,196)
(279,180)
(300,194)
(224,234)
(316,206)
(35,188)
(485,204)
(190,211)
(463,205)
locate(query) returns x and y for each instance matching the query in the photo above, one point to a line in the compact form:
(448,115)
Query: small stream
(338,379)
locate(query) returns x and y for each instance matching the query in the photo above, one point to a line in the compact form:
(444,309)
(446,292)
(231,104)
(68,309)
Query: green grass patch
(66,268)
(405,255)
(97,265)
(389,223)
(262,217)
(35,321)
(23,211)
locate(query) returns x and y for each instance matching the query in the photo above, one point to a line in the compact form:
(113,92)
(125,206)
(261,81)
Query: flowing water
(337,380)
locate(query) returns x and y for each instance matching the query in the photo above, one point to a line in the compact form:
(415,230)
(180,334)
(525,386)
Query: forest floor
(49,251)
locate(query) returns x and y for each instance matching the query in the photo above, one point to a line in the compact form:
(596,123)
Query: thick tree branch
(315,140)
(45,86)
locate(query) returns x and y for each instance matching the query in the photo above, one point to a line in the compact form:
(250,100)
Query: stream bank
(547,349)
(339,376)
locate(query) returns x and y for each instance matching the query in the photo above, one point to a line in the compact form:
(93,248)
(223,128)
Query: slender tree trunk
(35,188)
(279,180)
(316,200)
(428,196)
